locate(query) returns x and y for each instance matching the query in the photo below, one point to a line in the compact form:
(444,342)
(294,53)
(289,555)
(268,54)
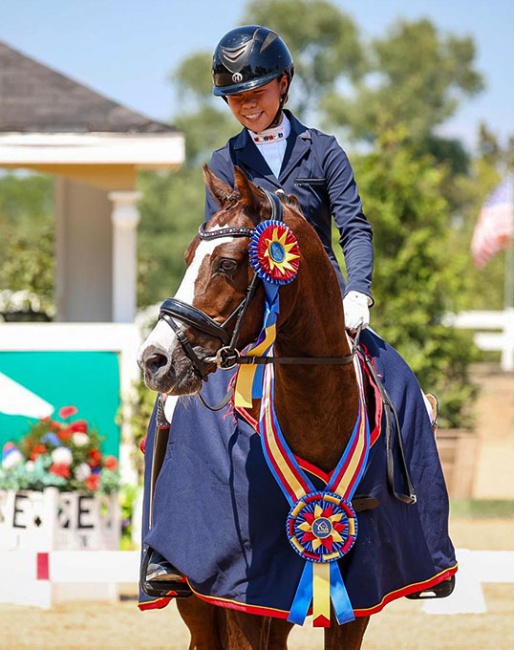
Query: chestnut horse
(316,405)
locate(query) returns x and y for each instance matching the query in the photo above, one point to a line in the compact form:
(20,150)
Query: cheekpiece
(274,252)
(322,527)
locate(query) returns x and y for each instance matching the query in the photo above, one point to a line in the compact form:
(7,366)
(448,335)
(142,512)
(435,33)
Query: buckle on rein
(227,358)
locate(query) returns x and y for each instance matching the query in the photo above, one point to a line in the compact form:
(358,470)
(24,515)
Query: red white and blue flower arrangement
(63,453)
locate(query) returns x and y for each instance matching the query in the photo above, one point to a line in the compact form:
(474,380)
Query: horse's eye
(227,265)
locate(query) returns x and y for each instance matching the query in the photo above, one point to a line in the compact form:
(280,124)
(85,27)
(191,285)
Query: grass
(482,509)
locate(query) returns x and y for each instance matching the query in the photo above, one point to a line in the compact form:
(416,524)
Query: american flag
(495,225)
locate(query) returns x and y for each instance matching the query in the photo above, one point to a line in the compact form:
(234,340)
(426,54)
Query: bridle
(228,356)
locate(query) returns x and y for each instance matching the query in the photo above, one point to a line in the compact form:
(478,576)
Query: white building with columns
(94,148)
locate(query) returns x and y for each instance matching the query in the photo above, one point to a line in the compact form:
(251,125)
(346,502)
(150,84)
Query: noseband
(228,356)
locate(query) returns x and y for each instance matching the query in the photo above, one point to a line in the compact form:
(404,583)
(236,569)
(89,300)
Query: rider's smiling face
(256,109)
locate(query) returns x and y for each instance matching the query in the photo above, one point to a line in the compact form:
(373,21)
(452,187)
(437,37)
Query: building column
(125,217)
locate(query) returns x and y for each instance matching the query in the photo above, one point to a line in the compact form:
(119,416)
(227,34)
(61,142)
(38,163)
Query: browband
(234,231)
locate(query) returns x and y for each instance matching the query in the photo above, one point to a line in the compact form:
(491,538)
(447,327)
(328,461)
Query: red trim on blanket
(406,591)
(279,613)
(158,603)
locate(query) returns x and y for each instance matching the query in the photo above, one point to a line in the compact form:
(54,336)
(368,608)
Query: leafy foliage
(417,278)
(28,237)
(171,210)
(419,91)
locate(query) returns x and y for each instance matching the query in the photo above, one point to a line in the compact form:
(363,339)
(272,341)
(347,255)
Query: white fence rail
(501,340)
(31,578)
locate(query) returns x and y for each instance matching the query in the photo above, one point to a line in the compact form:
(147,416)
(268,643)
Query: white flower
(82,472)
(12,458)
(29,466)
(80,439)
(62,456)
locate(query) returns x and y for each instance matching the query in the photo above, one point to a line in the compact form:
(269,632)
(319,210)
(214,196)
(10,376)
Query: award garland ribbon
(321,525)
(275,257)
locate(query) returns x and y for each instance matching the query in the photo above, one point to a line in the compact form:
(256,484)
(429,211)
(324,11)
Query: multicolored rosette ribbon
(274,252)
(275,257)
(321,526)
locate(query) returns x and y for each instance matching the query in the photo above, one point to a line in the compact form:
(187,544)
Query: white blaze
(162,336)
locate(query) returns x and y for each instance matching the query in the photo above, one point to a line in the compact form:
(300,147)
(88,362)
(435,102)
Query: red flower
(110,462)
(54,426)
(79,426)
(60,469)
(36,450)
(66,433)
(94,458)
(92,482)
(67,411)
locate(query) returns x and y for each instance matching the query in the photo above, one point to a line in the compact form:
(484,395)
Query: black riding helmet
(249,57)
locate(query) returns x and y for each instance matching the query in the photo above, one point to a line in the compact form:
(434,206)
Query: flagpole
(508,290)
(508,284)
(507,358)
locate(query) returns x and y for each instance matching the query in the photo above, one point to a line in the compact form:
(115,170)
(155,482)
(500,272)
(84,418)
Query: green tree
(417,278)
(417,77)
(28,237)
(171,210)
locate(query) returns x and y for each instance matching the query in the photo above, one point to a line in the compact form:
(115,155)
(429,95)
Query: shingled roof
(36,99)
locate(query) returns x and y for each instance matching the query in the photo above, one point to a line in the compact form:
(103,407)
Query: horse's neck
(316,405)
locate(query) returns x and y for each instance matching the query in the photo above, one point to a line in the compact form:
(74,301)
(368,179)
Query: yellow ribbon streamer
(321,595)
(246,373)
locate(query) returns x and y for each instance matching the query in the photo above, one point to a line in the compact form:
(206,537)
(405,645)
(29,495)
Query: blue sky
(126,49)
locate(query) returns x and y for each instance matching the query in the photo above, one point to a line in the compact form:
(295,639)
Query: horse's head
(219,299)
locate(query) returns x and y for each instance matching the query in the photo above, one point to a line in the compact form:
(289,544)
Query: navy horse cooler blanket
(218,515)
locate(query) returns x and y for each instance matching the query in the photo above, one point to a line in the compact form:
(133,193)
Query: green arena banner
(90,381)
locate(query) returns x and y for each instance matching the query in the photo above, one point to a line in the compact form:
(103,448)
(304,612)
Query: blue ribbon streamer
(303,597)
(343,608)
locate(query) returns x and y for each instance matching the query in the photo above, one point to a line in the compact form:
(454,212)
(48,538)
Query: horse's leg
(346,637)
(245,631)
(279,632)
(202,620)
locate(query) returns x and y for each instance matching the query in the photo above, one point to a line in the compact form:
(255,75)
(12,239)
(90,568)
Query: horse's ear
(292,201)
(251,194)
(220,190)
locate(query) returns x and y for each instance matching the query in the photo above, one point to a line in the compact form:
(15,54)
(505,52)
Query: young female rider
(252,71)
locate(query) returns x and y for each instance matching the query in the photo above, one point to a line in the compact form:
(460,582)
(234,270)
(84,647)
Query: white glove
(356,310)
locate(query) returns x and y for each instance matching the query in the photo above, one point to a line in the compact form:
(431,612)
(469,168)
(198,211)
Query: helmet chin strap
(277,118)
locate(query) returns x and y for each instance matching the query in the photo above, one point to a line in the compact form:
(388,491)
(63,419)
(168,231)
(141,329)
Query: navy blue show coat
(317,171)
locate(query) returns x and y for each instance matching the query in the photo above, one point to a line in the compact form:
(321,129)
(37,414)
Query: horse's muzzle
(164,373)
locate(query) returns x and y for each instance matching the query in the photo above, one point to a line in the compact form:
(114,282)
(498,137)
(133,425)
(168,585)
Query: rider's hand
(356,310)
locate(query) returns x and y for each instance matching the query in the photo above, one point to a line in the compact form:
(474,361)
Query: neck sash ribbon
(321,525)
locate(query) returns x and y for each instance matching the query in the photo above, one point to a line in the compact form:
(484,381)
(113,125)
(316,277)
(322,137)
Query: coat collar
(298,144)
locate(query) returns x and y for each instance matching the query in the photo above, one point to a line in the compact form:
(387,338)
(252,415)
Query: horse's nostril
(155,361)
